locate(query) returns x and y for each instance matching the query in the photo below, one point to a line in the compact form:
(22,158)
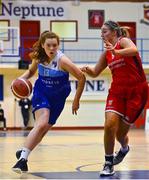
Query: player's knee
(109,127)
(42,127)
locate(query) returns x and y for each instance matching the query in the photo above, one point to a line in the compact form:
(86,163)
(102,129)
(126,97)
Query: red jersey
(126,70)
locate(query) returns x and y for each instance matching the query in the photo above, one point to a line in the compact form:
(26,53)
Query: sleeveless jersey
(126,70)
(52,81)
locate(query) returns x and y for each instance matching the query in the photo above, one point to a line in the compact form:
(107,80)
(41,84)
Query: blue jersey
(51,88)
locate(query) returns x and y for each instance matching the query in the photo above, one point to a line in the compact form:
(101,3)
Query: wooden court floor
(73,154)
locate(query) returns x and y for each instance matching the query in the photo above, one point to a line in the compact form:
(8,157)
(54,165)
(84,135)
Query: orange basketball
(21,88)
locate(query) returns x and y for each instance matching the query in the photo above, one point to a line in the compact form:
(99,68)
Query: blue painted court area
(132,174)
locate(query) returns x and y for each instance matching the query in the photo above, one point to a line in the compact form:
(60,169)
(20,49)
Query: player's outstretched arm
(98,68)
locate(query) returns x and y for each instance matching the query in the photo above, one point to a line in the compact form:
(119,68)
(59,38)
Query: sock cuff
(26,150)
(25,153)
(108,155)
(109,158)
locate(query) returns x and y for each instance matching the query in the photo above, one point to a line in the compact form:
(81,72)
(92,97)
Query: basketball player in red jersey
(127,95)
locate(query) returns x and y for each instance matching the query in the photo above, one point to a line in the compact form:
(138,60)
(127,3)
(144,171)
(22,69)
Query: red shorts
(127,101)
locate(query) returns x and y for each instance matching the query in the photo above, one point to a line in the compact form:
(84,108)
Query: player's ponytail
(125,31)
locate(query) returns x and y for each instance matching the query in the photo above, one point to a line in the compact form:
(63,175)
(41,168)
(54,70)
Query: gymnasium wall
(118,11)
(91,112)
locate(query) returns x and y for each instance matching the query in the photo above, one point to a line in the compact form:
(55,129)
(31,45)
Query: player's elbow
(135,51)
(96,73)
(31,72)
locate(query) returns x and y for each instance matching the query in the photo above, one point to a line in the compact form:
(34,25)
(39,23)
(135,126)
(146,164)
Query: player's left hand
(75,107)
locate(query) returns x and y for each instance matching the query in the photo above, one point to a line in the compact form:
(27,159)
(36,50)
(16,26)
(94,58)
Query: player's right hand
(85,69)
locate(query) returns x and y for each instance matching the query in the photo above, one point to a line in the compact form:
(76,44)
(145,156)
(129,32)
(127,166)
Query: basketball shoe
(108,169)
(119,156)
(20,166)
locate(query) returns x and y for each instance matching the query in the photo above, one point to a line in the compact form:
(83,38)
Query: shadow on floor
(135,174)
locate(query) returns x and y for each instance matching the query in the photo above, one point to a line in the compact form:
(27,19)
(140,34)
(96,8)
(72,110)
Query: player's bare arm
(99,67)
(31,71)
(67,65)
(129,48)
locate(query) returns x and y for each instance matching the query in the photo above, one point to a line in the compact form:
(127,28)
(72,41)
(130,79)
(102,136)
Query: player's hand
(86,69)
(108,45)
(75,107)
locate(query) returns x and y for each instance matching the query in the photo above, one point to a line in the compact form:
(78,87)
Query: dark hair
(114,26)
(38,52)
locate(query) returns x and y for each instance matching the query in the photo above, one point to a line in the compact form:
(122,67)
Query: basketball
(21,88)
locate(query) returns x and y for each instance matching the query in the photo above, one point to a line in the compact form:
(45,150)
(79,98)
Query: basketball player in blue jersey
(50,91)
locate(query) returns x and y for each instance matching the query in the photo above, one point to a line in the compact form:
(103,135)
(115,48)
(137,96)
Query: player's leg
(35,136)
(110,128)
(122,138)
(135,104)
(40,128)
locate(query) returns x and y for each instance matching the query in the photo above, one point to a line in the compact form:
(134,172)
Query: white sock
(25,153)
(124,149)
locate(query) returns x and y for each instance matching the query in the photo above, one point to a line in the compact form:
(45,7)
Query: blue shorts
(55,103)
